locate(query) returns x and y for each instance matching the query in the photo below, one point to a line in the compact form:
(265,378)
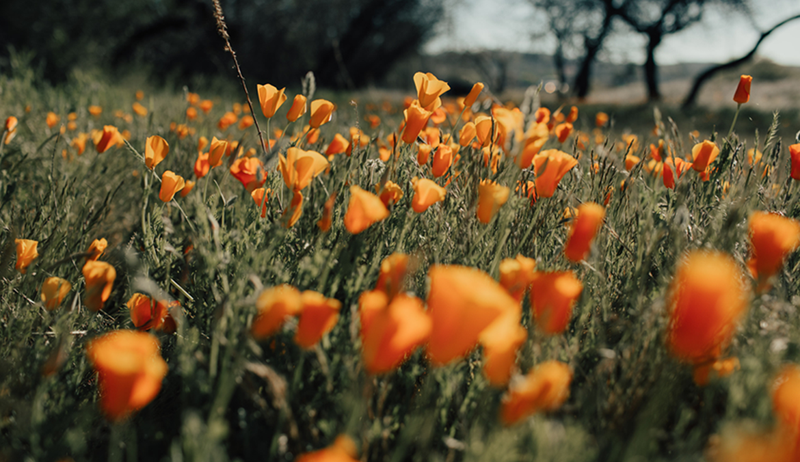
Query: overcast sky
(509,24)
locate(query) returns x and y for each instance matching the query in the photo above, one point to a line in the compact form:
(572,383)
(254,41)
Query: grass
(229,397)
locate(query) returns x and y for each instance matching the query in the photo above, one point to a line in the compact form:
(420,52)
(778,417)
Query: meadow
(419,279)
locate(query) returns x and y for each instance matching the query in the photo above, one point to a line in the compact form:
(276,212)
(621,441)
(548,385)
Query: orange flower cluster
(318,314)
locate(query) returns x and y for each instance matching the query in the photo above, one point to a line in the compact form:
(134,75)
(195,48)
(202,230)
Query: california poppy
(391,332)
(363,210)
(552,296)
(170,185)
(392,274)
(584,228)
(794,152)
(500,342)
(600,119)
(467,134)
(299,167)
(772,238)
(536,136)
(706,299)
(491,196)
(274,305)
(483,129)
(319,315)
(442,160)
(673,170)
(99,277)
(258,197)
(786,405)
(206,105)
(216,150)
(293,212)
(298,108)
(270,99)
(416,117)
(545,388)
(109,136)
(227,119)
(742,94)
(156,149)
(95,110)
(470,99)
(130,371)
(325,223)
(140,110)
(321,112)
(147,313)
(573,115)
(96,249)
(550,166)
(542,115)
(342,450)
(423,154)
(339,145)
(187,188)
(462,303)
(54,290)
(201,165)
(250,172)
(426,193)
(516,275)
(26,253)
(390,193)
(704,154)
(563,131)
(52,119)
(429,89)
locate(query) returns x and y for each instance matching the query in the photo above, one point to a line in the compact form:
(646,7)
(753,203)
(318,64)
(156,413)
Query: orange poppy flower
(772,238)
(536,136)
(270,99)
(206,105)
(462,303)
(631,161)
(130,371)
(52,119)
(467,134)
(549,167)
(584,228)
(364,210)
(99,277)
(96,249)
(702,373)
(216,150)
(545,388)
(552,296)
(516,275)
(601,119)
(392,274)
(573,115)
(786,402)
(483,129)
(429,89)
(423,154)
(794,152)
(293,212)
(147,314)
(109,136)
(339,145)
(374,121)
(54,290)
(321,112)
(703,154)
(391,330)
(201,165)
(442,160)
(671,170)
(742,94)
(390,194)
(140,110)
(95,110)
(542,115)
(258,197)
(187,188)
(491,196)
(470,99)
(500,342)
(170,184)
(26,253)
(415,120)
(156,149)
(299,167)
(11,124)
(250,172)
(563,131)
(706,299)
(246,122)
(227,119)
(426,193)
(79,142)
(274,305)
(324,223)
(342,450)
(319,315)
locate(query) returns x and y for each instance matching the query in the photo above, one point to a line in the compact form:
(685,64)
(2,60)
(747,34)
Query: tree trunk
(650,66)
(558,59)
(583,77)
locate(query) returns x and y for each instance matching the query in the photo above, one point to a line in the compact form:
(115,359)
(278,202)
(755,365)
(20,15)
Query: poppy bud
(467,134)
(391,193)
(96,248)
(552,297)
(99,277)
(26,253)
(473,95)
(442,160)
(703,154)
(321,112)
(742,94)
(54,290)
(794,152)
(491,197)
(545,388)
(601,119)
(584,228)
(415,120)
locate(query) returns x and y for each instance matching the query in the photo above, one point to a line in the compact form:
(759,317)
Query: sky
(721,36)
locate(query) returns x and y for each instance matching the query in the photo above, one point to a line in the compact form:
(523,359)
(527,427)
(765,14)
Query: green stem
(735,116)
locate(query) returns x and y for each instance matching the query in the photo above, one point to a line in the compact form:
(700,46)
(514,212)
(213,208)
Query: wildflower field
(184,277)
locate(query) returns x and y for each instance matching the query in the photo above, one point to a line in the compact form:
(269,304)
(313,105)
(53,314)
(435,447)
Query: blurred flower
(706,299)
(227,119)
(339,145)
(500,342)
(542,115)
(187,188)
(563,131)
(140,110)
(95,110)
(54,290)
(426,193)
(423,154)
(325,223)
(147,313)
(573,115)
(631,161)
(201,165)
(703,154)
(274,305)
(298,108)
(99,277)
(794,152)
(363,210)
(429,89)
(250,172)
(270,99)
(318,317)
(390,194)
(473,95)
(139,95)
(672,171)
(758,155)
(772,239)
(206,105)
(549,167)
(545,388)
(415,120)
(155,150)
(293,212)
(130,371)
(584,228)
(96,249)
(516,275)
(601,119)
(321,113)
(483,129)
(392,274)
(536,136)
(52,119)
(742,94)
(109,136)
(391,329)
(170,184)
(491,196)
(342,450)
(553,295)
(191,113)
(467,134)
(26,253)
(258,197)
(246,122)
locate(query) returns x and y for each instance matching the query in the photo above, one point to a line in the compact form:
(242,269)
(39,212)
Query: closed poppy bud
(390,333)
(318,316)
(584,228)
(95,110)
(201,165)
(298,108)
(321,113)
(706,299)
(631,161)
(600,119)
(772,238)
(500,342)
(483,129)
(202,143)
(293,212)
(491,197)
(130,371)
(516,274)
(562,131)
(156,149)
(191,113)
(429,89)
(426,193)
(391,193)
(550,166)
(270,99)
(215,151)
(250,172)
(246,122)
(140,110)
(742,94)
(325,223)
(339,145)
(145,312)
(96,249)
(26,253)
(364,210)
(52,119)
(703,154)
(99,277)
(415,120)
(423,154)
(11,124)
(187,188)
(794,152)
(442,160)
(193,99)
(170,184)
(227,119)
(54,290)
(573,115)
(110,136)
(473,95)
(274,305)
(206,105)
(467,134)
(258,197)
(462,303)
(552,297)
(545,388)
